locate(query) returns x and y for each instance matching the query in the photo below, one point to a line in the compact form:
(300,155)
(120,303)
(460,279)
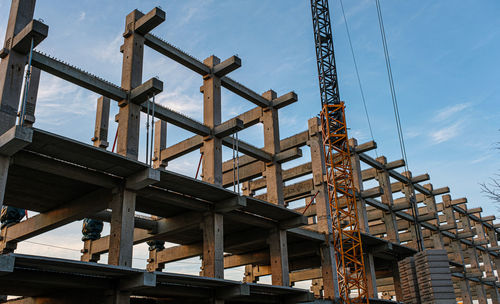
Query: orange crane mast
(341,192)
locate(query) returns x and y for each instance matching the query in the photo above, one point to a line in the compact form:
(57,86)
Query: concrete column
(100,138)
(371,278)
(324,220)
(29,113)
(12,66)
(388,217)
(415,229)
(279,257)
(122,228)
(160,143)
(430,203)
(129,114)
(273,173)
(4,170)
(212,146)
(213,246)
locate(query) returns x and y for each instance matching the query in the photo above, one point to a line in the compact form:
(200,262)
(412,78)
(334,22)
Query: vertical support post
(29,114)
(212,146)
(160,143)
(324,221)
(274,182)
(279,257)
(213,246)
(273,173)
(129,114)
(388,217)
(12,66)
(430,203)
(122,228)
(100,138)
(371,278)
(474,261)
(456,248)
(4,170)
(414,228)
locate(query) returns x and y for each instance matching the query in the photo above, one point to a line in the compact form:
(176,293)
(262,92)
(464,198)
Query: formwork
(65,180)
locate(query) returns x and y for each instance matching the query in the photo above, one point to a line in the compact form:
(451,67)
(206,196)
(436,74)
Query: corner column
(324,220)
(274,182)
(212,226)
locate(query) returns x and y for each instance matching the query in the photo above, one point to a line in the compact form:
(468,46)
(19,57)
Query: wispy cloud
(449,111)
(109,51)
(82,16)
(446,133)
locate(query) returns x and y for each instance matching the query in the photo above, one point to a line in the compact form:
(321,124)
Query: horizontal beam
(284,100)
(227,66)
(149,21)
(246,93)
(228,127)
(176,54)
(36,31)
(139,222)
(77,76)
(15,139)
(67,213)
(177,119)
(146,90)
(248,149)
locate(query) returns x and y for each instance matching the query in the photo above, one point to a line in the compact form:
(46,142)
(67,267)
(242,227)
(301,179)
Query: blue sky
(444,59)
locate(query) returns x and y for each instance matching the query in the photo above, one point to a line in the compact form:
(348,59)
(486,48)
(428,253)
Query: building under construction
(423,247)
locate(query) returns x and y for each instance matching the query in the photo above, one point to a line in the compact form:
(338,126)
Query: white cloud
(449,111)
(446,133)
(82,16)
(106,51)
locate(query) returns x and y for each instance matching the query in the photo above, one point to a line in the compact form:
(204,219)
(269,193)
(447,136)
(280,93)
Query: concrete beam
(149,21)
(177,119)
(228,127)
(288,155)
(15,140)
(35,30)
(231,204)
(227,66)
(248,149)
(77,76)
(284,100)
(176,54)
(67,213)
(138,281)
(142,179)
(146,90)
(229,292)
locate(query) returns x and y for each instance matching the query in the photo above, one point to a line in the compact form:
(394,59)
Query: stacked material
(434,277)
(409,283)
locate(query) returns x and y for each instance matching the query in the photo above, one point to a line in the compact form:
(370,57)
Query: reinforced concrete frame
(65,180)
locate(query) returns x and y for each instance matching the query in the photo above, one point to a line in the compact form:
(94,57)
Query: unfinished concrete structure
(65,180)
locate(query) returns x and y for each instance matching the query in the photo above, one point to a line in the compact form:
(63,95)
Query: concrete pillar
(212,146)
(213,246)
(12,66)
(273,173)
(371,278)
(160,143)
(415,228)
(324,220)
(129,114)
(277,241)
(388,217)
(4,170)
(430,203)
(122,228)
(100,138)
(29,113)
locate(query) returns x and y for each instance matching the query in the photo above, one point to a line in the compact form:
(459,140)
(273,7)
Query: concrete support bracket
(142,179)
(145,91)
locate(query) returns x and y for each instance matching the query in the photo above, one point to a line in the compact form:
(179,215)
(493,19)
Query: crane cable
(357,74)
(398,124)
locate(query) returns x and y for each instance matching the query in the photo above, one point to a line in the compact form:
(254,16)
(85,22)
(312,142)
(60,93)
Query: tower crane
(351,274)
